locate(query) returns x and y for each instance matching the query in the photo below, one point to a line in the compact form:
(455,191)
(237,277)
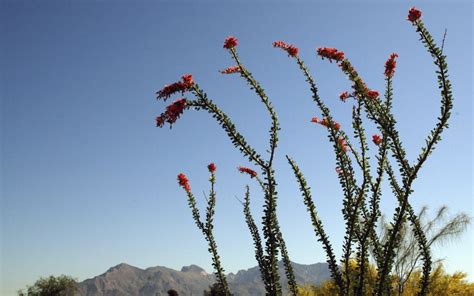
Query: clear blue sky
(88,181)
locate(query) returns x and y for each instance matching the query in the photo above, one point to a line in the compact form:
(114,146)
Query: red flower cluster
(231,70)
(325,122)
(413,14)
(211,167)
(390,65)
(230,42)
(172,112)
(289,48)
(248,171)
(372,94)
(344,96)
(180,86)
(377,139)
(331,53)
(342,144)
(184,182)
(188,80)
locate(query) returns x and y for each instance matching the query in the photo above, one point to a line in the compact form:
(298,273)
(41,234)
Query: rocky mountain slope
(127,280)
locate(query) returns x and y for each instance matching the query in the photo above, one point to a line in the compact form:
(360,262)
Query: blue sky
(88,181)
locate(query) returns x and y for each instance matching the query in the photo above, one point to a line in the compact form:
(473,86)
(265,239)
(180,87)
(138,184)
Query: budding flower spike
(390,65)
(245,170)
(230,42)
(184,182)
(325,122)
(330,53)
(180,86)
(413,14)
(289,48)
(211,167)
(172,113)
(373,94)
(231,70)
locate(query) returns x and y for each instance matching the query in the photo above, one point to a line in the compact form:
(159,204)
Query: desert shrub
(441,283)
(51,286)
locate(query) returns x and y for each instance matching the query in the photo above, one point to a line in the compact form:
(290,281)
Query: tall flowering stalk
(361,195)
(207,226)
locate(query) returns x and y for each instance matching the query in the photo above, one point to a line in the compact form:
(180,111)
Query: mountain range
(127,280)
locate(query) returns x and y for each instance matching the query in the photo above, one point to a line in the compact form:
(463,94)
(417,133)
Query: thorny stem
(259,255)
(318,226)
(432,139)
(224,120)
(265,100)
(207,230)
(271,225)
(348,182)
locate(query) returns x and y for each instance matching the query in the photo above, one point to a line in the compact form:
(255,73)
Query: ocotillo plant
(360,203)
(274,242)
(207,226)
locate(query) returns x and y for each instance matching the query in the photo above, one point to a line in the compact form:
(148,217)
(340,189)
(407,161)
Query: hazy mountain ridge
(126,280)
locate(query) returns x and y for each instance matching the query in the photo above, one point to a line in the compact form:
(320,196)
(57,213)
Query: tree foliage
(51,286)
(439,229)
(441,283)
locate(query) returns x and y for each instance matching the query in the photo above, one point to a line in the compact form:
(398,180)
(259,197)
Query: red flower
(390,65)
(325,122)
(184,182)
(187,80)
(342,144)
(339,170)
(230,42)
(172,113)
(344,96)
(211,167)
(168,90)
(248,171)
(372,94)
(180,86)
(413,14)
(289,48)
(174,110)
(231,70)
(377,139)
(292,51)
(331,53)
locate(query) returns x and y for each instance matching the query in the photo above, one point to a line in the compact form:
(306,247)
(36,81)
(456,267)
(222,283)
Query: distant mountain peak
(122,267)
(193,268)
